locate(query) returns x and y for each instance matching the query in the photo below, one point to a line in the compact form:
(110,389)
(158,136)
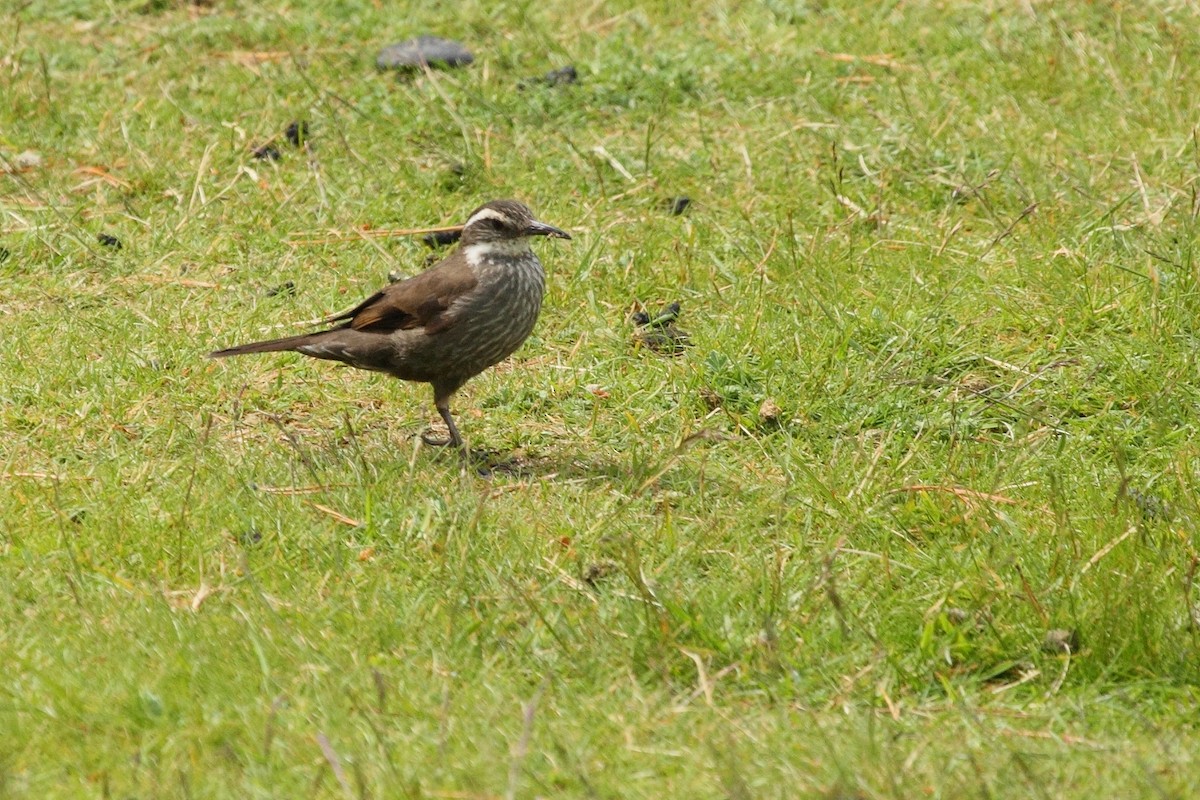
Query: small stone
(30,159)
(441,238)
(956,616)
(423,51)
(769,412)
(268,152)
(659,332)
(564,76)
(1152,506)
(669,341)
(108,240)
(667,317)
(598,571)
(963,193)
(296,132)
(676,205)
(287,288)
(1061,641)
(4,254)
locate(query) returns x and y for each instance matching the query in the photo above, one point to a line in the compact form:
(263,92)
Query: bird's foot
(478,461)
(430,439)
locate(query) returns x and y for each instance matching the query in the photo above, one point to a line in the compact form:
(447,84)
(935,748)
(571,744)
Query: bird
(447,324)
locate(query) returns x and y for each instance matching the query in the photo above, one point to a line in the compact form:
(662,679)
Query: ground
(913,515)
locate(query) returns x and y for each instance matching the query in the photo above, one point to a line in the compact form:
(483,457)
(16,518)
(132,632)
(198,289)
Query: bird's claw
(436,441)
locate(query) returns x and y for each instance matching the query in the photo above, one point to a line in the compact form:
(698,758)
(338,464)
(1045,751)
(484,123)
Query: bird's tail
(270,346)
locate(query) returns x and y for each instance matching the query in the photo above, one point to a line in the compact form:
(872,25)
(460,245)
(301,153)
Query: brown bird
(448,324)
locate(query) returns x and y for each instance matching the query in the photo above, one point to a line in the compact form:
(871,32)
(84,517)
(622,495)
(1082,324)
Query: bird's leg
(441,401)
(443,406)
(455,440)
(482,470)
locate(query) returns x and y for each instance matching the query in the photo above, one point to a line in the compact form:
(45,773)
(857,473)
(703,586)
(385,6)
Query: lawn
(913,515)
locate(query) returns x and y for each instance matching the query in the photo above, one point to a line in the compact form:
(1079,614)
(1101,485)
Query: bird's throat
(479,252)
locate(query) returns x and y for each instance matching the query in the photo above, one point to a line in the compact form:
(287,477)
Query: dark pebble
(108,240)
(1152,506)
(296,132)
(668,315)
(662,319)
(424,50)
(287,288)
(598,571)
(268,152)
(441,238)
(563,76)
(659,332)
(668,341)
(250,537)
(676,205)
(4,254)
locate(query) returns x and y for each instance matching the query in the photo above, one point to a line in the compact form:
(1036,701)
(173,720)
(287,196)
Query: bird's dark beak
(542,229)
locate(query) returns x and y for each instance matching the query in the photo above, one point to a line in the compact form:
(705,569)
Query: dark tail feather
(272,346)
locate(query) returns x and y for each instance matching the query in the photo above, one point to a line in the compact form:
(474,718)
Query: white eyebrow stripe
(487,213)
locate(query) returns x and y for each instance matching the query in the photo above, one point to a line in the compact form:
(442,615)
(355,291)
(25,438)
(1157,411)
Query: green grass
(953,244)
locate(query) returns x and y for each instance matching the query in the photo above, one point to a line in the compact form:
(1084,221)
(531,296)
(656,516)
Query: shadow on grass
(561,468)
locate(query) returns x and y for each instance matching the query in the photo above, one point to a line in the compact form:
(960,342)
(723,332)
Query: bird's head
(502,222)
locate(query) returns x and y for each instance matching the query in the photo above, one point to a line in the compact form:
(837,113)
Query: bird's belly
(494,331)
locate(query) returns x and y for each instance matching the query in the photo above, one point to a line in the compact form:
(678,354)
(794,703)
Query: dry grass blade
(337,515)
(367,233)
(294,490)
(969,496)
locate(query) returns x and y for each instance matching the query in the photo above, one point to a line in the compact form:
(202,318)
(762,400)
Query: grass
(952,245)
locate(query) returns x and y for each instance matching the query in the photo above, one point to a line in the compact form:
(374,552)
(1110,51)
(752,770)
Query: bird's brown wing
(422,301)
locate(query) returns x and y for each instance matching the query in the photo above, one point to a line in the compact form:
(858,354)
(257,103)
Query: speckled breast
(502,312)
